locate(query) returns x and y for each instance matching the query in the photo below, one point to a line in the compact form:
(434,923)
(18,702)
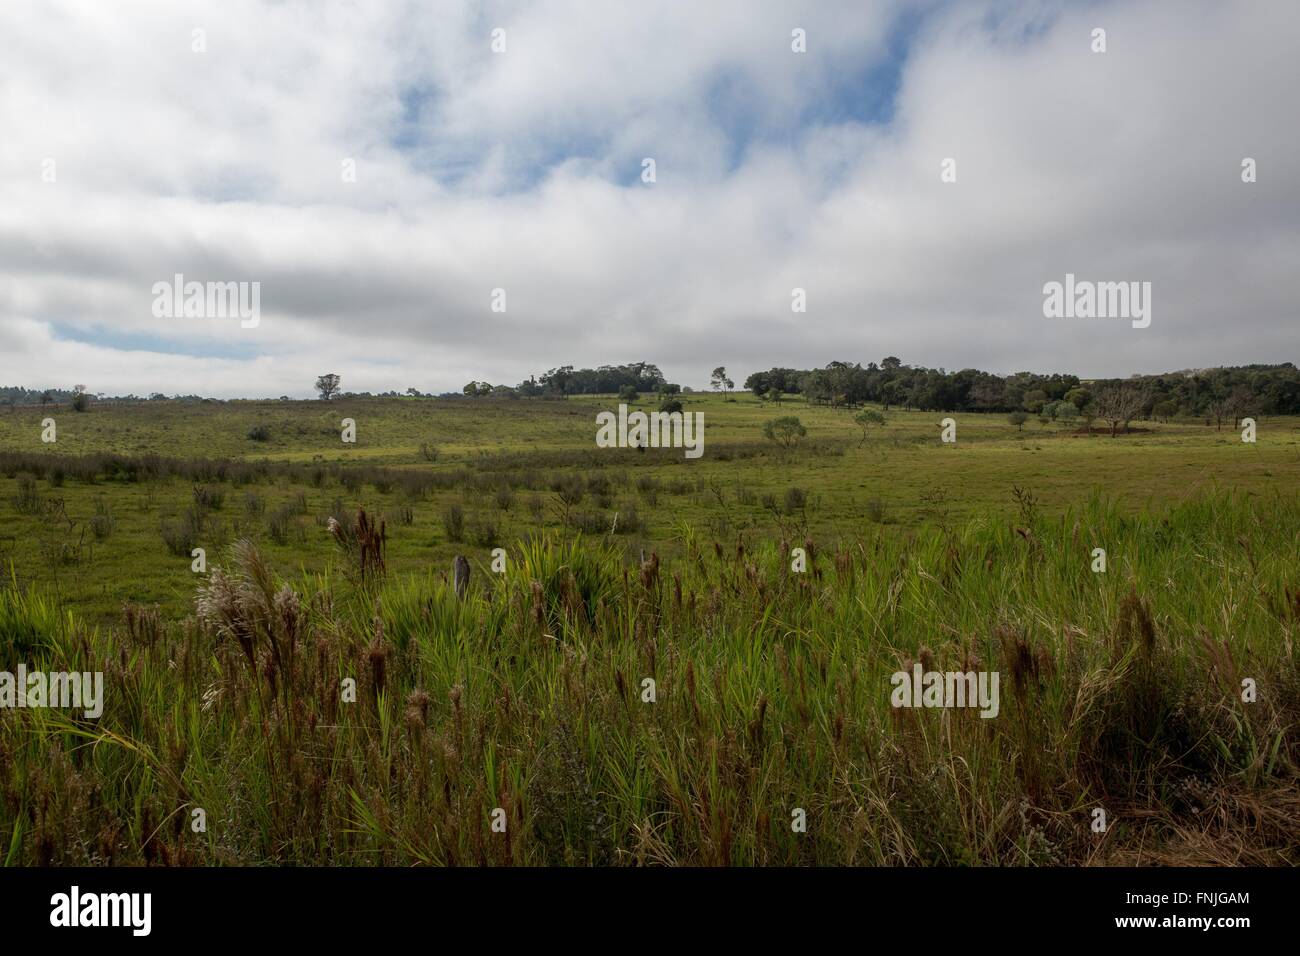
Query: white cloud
(520,170)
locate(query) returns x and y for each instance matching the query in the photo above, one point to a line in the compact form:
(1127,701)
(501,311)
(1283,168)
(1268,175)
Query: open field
(1120,691)
(517,467)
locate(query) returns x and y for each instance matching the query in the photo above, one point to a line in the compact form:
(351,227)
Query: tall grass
(1120,691)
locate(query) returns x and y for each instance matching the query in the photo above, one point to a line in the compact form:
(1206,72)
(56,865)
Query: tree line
(1218,394)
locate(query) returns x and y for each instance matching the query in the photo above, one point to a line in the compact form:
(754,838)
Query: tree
(1165,410)
(628,393)
(865,419)
(1018,419)
(328,386)
(1034,400)
(1066,412)
(785,431)
(720,381)
(46,398)
(1239,403)
(1118,405)
(80,400)
(1078,397)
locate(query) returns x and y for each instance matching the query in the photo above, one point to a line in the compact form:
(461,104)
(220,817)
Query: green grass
(901,476)
(1120,691)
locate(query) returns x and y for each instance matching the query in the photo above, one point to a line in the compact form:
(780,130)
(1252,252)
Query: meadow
(512,722)
(110,512)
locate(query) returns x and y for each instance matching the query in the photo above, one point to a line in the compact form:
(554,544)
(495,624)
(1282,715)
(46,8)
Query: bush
(102,524)
(283,524)
(27,501)
(259,433)
(208,499)
(785,431)
(181,535)
(484,533)
(453,523)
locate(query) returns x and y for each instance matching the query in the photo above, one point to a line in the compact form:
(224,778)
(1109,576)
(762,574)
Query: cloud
(521,170)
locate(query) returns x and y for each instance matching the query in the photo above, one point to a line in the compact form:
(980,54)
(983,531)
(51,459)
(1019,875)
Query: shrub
(785,431)
(453,523)
(283,524)
(181,535)
(208,499)
(27,501)
(484,533)
(259,433)
(102,524)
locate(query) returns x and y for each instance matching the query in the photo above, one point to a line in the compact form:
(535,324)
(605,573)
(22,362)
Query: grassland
(1121,690)
(508,465)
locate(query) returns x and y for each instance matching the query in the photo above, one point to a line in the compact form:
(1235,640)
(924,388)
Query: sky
(381,168)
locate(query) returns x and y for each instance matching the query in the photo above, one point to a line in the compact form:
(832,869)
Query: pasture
(653,675)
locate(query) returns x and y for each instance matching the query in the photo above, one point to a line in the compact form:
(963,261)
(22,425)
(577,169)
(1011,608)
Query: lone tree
(865,419)
(80,400)
(328,386)
(1018,419)
(1118,405)
(785,431)
(720,380)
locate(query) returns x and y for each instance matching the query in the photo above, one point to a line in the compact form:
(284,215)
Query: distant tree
(414,392)
(1018,419)
(720,381)
(785,431)
(670,405)
(1165,410)
(1078,397)
(328,386)
(1240,403)
(628,393)
(865,419)
(46,398)
(1118,405)
(80,400)
(892,393)
(1066,412)
(1034,400)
